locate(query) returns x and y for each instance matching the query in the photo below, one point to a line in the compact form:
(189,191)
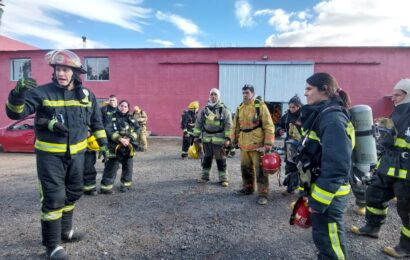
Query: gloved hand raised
(103,153)
(23,85)
(57,127)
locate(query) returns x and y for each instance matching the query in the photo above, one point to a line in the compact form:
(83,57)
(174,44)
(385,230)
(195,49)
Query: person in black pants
(122,133)
(392,178)
(282,129)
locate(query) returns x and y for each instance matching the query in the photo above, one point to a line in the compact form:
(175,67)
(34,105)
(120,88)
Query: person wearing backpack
(253,131)
(282,128)
(213,129)
(392,178)
(325,161)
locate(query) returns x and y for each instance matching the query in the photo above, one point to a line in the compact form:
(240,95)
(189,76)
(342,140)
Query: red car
(18,136)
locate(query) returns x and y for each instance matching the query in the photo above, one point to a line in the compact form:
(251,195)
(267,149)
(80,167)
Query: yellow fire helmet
(193,152)
(92,143)
(193,105)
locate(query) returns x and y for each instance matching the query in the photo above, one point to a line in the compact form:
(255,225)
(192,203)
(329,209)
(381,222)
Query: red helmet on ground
(64,58)
(271,162)
(301,215)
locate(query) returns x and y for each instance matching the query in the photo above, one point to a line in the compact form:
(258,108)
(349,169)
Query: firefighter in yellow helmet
(64,112)
(392,178)
(141,117)
(254,132)
(188,119)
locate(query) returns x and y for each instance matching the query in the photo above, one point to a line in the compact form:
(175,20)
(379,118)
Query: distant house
(164,81)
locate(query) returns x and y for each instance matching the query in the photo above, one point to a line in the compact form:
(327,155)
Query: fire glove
(57,127)
(186,133)
(23,85)
(103,153)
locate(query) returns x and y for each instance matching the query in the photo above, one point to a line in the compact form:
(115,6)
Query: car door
(20,136)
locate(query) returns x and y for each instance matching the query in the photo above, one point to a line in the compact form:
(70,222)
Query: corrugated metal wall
(274,81)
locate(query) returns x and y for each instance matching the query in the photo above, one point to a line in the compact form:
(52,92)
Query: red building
(163,81)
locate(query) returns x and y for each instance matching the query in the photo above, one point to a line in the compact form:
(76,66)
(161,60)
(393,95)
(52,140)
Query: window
(20,68)
(97,69)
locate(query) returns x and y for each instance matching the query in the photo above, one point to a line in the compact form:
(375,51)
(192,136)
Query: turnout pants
(187,141)
(217,150)
(90,173)
(328,230)
(382,189)
(61,185)
(110,172)
(292,176)
(251,168)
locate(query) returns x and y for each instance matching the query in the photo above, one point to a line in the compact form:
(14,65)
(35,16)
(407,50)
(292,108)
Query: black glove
(57,127)
(186,133)
(24,85)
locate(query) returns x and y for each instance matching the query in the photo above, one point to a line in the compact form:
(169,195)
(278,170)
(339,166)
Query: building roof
(8,44)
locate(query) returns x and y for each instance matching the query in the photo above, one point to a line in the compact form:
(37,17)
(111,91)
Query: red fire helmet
(271,162)
(301,215)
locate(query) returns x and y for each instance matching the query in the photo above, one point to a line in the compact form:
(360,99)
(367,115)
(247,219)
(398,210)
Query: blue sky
(52,24)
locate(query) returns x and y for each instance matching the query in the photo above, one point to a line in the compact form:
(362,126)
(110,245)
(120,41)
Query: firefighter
(90,173)
(282,129)
(64,111)
(122,132)
(188,119)
(392,178)
(324,162)
(141,117)
(253,131)
(213,129)
(109,109)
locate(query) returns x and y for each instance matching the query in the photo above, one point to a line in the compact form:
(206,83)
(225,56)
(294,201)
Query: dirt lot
(168,215)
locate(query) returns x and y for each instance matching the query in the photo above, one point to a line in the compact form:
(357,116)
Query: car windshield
(23,124)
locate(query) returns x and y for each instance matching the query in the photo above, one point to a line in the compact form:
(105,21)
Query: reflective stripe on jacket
(50,101)
(395,162)
(214,123)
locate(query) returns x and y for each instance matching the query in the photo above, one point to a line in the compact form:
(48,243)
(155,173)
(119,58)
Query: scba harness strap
(257,105)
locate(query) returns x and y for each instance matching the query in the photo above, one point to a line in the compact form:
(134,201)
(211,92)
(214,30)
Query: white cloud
(243,12)
(191,42)
(189,28)
(342,23)
(161,42)
(185,25)
(39,18)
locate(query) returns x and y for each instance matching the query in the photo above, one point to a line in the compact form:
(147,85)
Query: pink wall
(164,81)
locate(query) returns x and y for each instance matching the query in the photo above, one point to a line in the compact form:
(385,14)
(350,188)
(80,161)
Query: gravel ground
(168,215)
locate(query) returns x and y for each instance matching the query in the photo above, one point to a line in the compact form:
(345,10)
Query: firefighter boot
(366,230)
(361,211)
(51,232)
(397,251)
(56,253)
(223,175)
(67,232)
(205,176)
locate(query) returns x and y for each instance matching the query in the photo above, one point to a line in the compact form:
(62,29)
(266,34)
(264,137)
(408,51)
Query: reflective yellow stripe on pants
(334,239)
